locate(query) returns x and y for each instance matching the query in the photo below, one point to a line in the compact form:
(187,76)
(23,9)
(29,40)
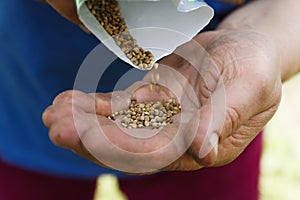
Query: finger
(184,163)
(127,151)
(56,112)
(129,154)
(135,151)
(76,98)
(228,109)
(219,118)
(112,150)
(63,106)
(204,142)
(65,133)
(99,103)
(74,102)
(87,102)
(106,104)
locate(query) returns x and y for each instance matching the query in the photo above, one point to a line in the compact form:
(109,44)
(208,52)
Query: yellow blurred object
(107,188)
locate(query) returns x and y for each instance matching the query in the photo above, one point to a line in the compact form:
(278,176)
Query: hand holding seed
(79,122)
(235,80)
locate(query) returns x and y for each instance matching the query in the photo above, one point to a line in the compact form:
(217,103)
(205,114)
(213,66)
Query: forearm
(279,21)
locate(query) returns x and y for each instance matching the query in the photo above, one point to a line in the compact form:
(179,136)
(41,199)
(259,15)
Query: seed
(148,114)
(142,118)
(150,87)
(152,79)
(145,66)
(161,113)
(147,118)
(146,123)
(109,17)
(136,50)
(157,78)
(158,88)
(154,124)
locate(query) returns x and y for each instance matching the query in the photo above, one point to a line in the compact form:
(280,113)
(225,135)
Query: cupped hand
(229,87)
(239,84)
(79,122)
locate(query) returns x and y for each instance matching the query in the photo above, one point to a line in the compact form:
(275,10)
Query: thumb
(203,134)
(94,103)
(227,109)
(106,104)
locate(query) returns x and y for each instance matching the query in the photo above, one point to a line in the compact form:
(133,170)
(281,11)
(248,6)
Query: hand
(78,122)
(235,78)
(243,74)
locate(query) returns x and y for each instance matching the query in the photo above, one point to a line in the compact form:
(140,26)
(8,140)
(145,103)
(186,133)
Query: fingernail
(209,145)
(214,141)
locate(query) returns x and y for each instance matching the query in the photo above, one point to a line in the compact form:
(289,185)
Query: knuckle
(57,113)
(208,161)
(47,116)
(66,96)
(62,132)
(232,119)
(55,136)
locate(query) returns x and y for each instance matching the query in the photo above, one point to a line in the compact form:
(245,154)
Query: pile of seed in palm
(108,14)
(150,114)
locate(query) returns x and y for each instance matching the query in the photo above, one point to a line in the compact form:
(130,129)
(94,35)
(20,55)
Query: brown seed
(146,123)
(109,16)
(156,77)
(148,114)
(153,79)
(150,87)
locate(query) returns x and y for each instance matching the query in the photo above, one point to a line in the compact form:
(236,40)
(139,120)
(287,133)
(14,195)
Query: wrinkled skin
(233,88)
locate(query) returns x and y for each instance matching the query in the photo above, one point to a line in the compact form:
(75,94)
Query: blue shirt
(40,54)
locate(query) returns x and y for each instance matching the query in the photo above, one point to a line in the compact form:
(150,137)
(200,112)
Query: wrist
(276,21)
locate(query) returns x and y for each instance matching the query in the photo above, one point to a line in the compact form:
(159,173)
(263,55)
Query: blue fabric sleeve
(40,54)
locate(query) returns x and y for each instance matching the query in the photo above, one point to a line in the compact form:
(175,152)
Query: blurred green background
(280,167)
